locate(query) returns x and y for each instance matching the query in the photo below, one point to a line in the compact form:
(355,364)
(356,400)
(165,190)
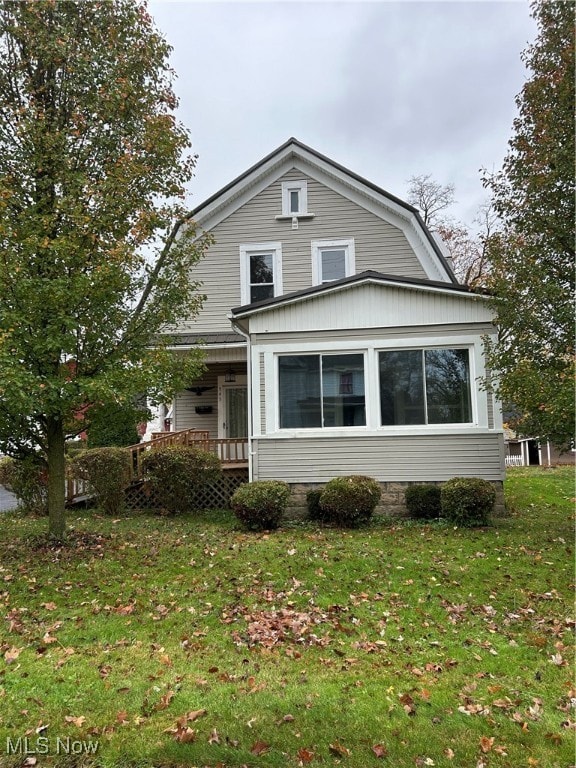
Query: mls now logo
(44,746)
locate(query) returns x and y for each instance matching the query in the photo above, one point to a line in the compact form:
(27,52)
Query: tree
(95,245)
(431,198)
(467,248)
(532,258)
(114,425)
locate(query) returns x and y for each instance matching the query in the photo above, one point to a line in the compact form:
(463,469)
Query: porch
(232,452)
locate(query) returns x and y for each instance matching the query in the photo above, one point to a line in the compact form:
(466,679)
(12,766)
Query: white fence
(514,461)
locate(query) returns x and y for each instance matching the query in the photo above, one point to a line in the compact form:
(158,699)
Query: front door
(233,410)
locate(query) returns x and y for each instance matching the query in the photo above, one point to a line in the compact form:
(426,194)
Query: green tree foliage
(114,425)
(96,246)
(532,259)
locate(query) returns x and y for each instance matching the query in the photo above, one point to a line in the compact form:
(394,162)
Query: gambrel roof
(294,154)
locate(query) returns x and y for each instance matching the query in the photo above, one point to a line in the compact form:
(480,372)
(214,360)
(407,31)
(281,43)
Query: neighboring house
(532,452)
(337,338)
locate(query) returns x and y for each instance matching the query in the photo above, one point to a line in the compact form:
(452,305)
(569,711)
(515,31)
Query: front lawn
(188,642)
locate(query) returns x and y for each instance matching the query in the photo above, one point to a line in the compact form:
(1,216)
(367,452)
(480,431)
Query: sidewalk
(7,500)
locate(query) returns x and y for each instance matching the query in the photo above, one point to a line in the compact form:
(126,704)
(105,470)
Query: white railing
(514,461)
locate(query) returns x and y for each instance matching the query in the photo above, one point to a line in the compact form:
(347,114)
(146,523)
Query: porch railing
(232,452)
(183,437)
(514,461)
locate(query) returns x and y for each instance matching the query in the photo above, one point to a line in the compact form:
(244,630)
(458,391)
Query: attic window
(294,198)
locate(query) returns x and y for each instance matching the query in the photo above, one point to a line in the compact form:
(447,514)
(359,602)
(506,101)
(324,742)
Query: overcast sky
(387,89)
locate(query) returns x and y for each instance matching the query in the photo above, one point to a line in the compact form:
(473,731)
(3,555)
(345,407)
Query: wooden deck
(232,452)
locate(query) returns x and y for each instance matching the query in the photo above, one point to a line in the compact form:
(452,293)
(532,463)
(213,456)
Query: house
(532,452)
(337,339)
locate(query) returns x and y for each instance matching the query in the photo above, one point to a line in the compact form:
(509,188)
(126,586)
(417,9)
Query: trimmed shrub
(467,501)
(27,479)
(176,475)
(260,505)
(350,501)
(107,471)
(423,501)
(315,511)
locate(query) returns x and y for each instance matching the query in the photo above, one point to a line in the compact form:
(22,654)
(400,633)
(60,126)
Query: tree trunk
(56,479)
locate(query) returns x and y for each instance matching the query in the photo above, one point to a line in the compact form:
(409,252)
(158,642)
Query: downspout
(249,386)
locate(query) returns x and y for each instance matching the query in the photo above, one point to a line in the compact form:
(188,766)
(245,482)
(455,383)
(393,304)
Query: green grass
(426,644)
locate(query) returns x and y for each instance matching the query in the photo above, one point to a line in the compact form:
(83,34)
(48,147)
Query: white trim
(250,249)
(317,246)
(295,185)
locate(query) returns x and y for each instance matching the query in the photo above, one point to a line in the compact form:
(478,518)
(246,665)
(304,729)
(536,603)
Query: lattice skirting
(216,496)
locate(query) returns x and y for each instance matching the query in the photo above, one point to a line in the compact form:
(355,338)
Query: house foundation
(392,502)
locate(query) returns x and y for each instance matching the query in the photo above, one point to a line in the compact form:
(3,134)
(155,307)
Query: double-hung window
(261,271)
(319,391)
(332,260)
(425,386)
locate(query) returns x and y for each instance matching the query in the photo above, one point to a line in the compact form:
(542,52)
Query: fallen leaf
(486,743)
(305,755)
(259,748)
(379,750)
(12,654)
(214,737)
(339,750)
(122,716)
(164,702)
(77,721)
(185,735)
(195,714)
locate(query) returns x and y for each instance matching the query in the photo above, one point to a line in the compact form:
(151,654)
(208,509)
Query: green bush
(315,511)
(423,501)
(107,471)
(27,479)
(176,475)
(260,505)
(350,501)
(467,501)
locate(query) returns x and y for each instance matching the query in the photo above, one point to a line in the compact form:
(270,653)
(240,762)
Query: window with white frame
(323,390)
(425,386)
(294,198)
(260,271)
(332,260)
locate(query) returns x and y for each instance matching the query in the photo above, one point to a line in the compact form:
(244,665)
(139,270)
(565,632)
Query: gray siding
(387,459)
(379,246)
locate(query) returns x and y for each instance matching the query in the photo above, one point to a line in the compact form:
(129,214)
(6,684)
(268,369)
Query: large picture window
(321,391)
(430,386)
